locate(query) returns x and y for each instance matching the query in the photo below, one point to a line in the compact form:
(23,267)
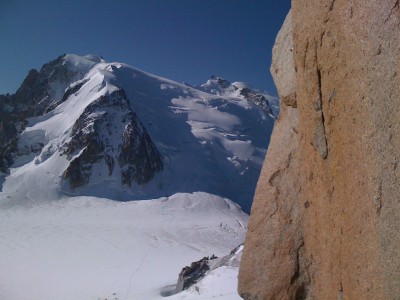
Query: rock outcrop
(222,87)
(190,276)
(40,92)
(325,218)
(93,141)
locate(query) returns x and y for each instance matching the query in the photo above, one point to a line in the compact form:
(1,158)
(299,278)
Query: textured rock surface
(92,142)
(199,270)
(325,220)
(270,264)
(36,95)
(190,275)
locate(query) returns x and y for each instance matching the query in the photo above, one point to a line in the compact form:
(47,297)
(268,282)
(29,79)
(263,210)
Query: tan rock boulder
(325,222)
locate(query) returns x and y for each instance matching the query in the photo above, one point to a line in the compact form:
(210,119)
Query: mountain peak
(217,85)
(82,62)
(83,126)
(222,87)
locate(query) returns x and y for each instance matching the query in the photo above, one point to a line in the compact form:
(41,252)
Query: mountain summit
(83,126)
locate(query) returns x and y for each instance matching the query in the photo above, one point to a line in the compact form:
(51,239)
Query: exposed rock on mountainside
(191,274)
(220,86)
(191,277)
(8,132)
(258,99)
(324,222)
(41,89)
(40,92)
(93,134)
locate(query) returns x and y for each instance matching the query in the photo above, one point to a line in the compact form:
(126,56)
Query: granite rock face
(325,219)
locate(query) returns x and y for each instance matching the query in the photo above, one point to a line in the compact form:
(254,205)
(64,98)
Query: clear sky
(183,40)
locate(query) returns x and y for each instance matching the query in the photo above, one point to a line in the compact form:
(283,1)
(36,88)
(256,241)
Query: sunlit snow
(223,138)
(93,248)
(62,243)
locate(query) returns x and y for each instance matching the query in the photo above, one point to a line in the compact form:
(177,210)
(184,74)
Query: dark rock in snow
(192,274)
(258,99)
(36,95)
(38,90)
(92,139)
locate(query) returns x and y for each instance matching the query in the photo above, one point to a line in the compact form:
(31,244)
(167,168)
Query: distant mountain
(83,126)
(222,87)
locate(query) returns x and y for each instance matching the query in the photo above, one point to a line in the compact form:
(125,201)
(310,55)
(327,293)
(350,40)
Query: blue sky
(183,40)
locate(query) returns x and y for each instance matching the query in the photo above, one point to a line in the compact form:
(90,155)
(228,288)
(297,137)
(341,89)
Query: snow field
(92,248)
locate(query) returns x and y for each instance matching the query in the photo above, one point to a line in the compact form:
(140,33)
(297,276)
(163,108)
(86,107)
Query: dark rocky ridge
(34,97)
(93,134)
(36,93)
(258,99)
(221,85)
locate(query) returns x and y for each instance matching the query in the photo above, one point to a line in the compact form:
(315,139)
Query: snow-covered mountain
(82,132)
(83,126)
(222,87)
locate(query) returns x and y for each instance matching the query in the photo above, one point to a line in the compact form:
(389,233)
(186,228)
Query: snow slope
(93,248)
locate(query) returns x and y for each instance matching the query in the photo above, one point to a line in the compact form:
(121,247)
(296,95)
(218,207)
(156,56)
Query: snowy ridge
(219,86)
